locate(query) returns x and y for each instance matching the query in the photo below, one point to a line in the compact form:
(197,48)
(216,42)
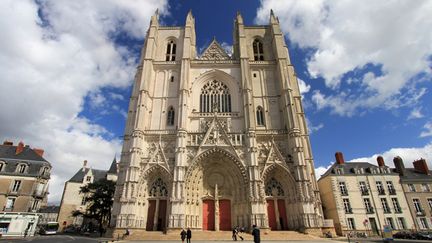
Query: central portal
(217,193)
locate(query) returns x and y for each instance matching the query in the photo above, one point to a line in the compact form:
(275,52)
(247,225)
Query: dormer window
(45,171)
(258,50)
(21,168)
(171,51)
(2,165)
(88,178)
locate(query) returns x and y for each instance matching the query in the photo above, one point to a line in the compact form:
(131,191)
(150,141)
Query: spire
(190,18)
(113,167)
(273,19)
(155,18)
(239,18)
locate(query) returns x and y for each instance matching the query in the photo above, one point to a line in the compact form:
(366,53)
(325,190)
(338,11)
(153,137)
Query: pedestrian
(256,234)
(183,235)
(25,232)
(239,235)
(188,235)
(234,234)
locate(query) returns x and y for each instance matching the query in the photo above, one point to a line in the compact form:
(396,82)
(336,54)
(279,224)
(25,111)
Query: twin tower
(214,141)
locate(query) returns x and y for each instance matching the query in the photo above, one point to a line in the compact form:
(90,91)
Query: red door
(271,215)
(150,215)
(162,215)
(208,215)
(224,215)
(282,214)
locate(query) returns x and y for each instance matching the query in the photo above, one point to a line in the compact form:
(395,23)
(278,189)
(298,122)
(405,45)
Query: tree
(99,198)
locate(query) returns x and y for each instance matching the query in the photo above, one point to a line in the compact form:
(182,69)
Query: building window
(10,203)
(351,224)
(260,116)
(347,205)
(1,166)
(16,186)
(411,188)
(391,188)
(401,222)
(368,206)
(430,203)
(215,97)
(385,206)
(417,206)
(172,79)
(45,171)
(88,178)
(380,188)
(258,50)
(363,188)
(390,222)
(22,168)
(35,205)
(396,205)
(83,201)
(343,188)
(423,223)
(170,116)
(171,51)
(425,188)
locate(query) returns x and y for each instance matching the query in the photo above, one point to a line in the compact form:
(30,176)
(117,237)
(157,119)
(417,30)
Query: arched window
(215,97)
(158,188)
(170,116)
(171,51)
(260,116)
(258,50)
(44,171)
(274,188)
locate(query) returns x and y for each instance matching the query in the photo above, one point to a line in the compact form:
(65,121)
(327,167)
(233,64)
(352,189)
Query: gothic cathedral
(214,141)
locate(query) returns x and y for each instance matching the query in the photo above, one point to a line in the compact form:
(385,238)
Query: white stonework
(216,141)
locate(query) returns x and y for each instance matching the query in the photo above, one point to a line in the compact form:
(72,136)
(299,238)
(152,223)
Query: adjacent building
(24,177)
(48,214)
(360,196)
(73,203)
(417,185)
(216,140)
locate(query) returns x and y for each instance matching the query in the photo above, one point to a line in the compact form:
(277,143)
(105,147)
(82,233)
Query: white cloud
(319,171)
(415,114)
(313,128)
(393,36)
(407,154)
(48,66)
(428,130)
(227,47)
(304,88)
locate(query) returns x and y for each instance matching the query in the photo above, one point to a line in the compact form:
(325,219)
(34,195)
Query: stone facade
(417,185)
(24,177)
(72,201)
(359,196)
(216,141)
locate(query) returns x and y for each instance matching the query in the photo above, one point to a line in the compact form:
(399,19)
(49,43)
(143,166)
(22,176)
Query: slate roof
(349,168)
(113,167)
(27,156)
(412,175)
(79,176)
(49,209)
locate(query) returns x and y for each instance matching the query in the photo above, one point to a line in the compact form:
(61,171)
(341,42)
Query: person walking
(183,235)
(256,234)
(234,234)
(188,235)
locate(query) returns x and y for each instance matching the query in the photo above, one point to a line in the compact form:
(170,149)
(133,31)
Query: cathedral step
(138,234)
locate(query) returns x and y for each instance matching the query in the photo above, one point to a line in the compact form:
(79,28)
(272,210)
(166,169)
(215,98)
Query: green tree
(99,199)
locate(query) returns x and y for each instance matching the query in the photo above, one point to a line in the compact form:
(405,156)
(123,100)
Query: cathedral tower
(214,141)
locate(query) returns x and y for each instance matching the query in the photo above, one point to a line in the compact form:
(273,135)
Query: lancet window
(158,188)
(215,97)
(171,51)
(260,116)
(258,50)
(274,188)
(170,116)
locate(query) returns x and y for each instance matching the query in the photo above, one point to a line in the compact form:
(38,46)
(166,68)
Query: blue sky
(364,68)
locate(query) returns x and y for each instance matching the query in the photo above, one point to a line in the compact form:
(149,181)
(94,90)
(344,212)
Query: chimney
(19,148)
(399,165)
(421,166)
(39,151)
(339,158)
(380,161)
(7,143)
(84,165)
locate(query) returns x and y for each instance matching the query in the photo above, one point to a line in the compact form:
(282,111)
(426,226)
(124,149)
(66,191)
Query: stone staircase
(218,235)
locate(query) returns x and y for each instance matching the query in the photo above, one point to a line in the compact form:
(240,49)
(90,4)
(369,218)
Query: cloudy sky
(66,69)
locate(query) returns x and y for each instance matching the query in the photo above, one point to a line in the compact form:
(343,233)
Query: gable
(215,52)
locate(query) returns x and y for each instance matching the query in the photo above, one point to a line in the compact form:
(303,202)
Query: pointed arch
(171,50)
(170,116)
(260,116)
